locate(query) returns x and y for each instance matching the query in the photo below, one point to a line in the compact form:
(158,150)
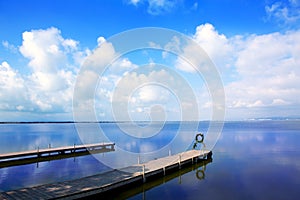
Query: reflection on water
(140,191)
(252,160)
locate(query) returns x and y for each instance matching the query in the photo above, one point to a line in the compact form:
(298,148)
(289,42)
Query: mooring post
(144,178)
(138,159)
(74,148)
(209,155)
(179,161)
(49,147)
(38,151)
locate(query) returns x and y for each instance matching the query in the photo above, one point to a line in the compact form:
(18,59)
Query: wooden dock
(109,181)
(39,155)
(198,169)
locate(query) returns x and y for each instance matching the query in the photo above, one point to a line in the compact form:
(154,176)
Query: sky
(46,45)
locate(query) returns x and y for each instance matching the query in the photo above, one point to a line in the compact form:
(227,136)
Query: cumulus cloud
(261,74)
(259,71)
(212,46)
(48,86)
(46,49)
(216,45)
(145,87)
(268,71)
(51,81)
(13,93)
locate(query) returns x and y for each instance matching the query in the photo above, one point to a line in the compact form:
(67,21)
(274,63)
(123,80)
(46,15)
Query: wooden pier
(109,181)
(39,155)
(128,191)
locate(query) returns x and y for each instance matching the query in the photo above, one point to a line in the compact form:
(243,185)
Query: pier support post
(144,178)
(209,155)
(179,162)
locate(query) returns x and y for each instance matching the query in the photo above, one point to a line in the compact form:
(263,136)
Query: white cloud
(216,45)
(49,54)
(212,46)
(101,57)
(134,2)
(279,102)
(152,93)
(268,67)
(261,71)
(100,40)
(173,46)
(45,49)
(13,93)
(284,13)
(157,7)
(153,90)
(183,65)
(95,68)
(48,86)
(268,73)
(122,65)
(9,46)
(69,44)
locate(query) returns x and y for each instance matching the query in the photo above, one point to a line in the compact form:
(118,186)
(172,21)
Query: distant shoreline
(87,122)
(53,122)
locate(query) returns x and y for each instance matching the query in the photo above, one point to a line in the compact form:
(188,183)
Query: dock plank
(105,181)
(39,152)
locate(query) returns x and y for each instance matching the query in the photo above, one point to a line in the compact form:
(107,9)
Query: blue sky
(254,45)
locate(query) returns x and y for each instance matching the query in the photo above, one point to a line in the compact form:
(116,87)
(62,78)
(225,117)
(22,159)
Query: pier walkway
(109,181)
(39,155)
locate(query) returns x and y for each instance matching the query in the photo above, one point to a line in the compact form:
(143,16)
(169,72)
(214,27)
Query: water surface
(252,160)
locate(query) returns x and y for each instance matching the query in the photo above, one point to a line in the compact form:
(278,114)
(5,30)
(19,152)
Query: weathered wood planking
(57,150)
(108,181)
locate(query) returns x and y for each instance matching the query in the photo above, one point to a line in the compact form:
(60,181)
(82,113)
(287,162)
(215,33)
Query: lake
(251,159)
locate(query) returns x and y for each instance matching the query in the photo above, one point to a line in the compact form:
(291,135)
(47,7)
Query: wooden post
(144,178)
(49,146)
(179,161)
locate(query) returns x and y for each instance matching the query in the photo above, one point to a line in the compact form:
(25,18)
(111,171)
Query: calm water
(252,160)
